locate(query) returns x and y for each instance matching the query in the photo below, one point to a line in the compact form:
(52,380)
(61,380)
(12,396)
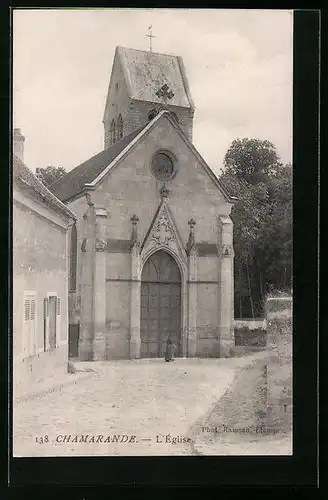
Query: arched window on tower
(175,116)
(73,260)
(112,132)
(119,127)
(152,113)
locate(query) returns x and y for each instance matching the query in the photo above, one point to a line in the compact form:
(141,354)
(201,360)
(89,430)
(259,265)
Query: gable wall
(131,188)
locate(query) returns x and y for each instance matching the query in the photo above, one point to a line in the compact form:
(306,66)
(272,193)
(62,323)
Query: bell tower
(142,83)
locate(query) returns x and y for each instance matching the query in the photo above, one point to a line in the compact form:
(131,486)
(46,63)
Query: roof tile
(22,173)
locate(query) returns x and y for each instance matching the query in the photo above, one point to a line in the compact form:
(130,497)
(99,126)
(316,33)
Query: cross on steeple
(165,94)
(150,35)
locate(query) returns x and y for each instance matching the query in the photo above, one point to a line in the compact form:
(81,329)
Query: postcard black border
(297,471)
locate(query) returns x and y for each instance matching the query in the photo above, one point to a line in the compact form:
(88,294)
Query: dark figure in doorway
(169,352)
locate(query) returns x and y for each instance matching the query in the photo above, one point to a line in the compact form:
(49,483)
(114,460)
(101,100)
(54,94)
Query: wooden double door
(160,305)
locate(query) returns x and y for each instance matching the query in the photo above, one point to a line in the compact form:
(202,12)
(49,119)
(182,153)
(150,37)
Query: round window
(162,166)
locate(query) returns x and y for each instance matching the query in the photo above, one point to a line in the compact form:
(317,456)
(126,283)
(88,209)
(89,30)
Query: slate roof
(23,174)
(147,72)
(72,183)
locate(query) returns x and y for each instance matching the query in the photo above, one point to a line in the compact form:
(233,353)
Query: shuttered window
(29,332)
(45,323)
(119,127)
(45,308)
(58,306)
(32,311)
(112,132)
(29,308)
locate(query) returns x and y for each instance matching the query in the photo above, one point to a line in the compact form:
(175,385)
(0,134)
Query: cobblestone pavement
(149,402)
(47,385)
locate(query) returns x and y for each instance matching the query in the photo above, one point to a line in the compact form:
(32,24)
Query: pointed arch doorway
(160,305)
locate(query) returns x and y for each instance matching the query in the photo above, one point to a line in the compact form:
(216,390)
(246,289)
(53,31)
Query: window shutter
(45,308)
(27,307)
(32,312)
(58,306)
(45,315)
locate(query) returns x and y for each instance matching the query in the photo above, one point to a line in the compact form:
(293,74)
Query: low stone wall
(250,324)
(279,367)
(250,338)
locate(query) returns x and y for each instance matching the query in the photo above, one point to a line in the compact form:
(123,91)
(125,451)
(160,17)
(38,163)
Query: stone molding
(84,245)
(101,212)
(101,245)
(164,234)
(227,251)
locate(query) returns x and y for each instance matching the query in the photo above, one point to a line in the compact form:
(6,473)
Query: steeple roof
(146,72)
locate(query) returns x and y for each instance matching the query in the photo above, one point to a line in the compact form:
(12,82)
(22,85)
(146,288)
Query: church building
(151,253)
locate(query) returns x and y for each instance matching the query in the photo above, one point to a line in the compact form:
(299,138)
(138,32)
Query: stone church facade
(152,249)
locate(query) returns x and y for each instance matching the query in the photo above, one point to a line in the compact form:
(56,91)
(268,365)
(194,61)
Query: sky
(239,65)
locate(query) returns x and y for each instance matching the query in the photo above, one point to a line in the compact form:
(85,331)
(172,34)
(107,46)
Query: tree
(50,174)
(262,218)
(274,248)
(252,160)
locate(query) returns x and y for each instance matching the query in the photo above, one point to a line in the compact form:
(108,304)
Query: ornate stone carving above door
(163,233)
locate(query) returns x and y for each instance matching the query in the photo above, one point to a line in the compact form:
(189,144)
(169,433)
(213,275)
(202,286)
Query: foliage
(50,174)
(262,216)
(274,293)
(252,160)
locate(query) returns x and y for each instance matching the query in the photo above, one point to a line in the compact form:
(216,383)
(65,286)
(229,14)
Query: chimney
(18,144)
